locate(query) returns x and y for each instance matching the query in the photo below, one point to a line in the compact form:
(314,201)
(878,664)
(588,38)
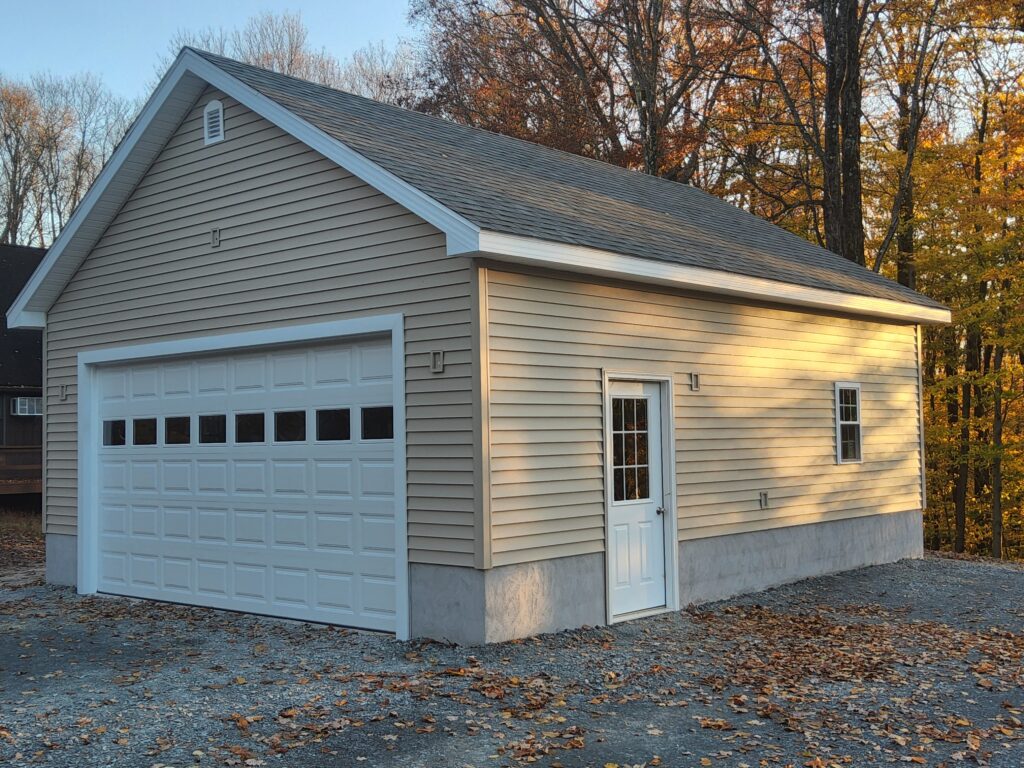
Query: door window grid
(630,449)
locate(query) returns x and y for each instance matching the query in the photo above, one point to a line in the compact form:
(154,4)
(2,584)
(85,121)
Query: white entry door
(636,505)
(259,481)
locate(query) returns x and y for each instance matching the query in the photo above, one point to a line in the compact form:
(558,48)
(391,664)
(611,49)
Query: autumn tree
(632,82)
(55,135)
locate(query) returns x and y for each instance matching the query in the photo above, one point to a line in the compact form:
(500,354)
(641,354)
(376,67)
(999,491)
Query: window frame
(27,406)
(363,407)
(199,442)
(840,386)
(287,411)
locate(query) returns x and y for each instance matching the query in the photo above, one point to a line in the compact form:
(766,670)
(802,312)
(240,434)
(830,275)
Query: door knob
(661,510)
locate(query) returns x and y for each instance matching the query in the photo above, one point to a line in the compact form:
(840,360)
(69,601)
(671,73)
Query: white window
(27,406)
(848,432)
(213,122)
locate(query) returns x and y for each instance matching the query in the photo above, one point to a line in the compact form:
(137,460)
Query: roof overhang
(575,258)
(170,103)
(189,76)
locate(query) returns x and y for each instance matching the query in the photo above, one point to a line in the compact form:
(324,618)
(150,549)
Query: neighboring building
(316,357)
(21,381)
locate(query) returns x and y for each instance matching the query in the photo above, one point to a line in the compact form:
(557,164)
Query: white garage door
(255,481)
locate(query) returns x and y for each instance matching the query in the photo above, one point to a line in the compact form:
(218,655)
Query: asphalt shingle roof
(516,187)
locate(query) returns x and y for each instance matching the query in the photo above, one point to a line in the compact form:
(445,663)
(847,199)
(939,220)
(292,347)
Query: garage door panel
(177,574)
(177,477)
(114,477)
(302,529)
(289,478)
(333,531)
(332,368)
(178,523)
(176,381)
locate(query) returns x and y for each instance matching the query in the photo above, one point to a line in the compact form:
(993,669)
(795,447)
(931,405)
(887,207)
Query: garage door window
(113,432)
(250,428)
(144,432)
(213,429)
(177,430)
(333,424)
(378,423)
(289,426)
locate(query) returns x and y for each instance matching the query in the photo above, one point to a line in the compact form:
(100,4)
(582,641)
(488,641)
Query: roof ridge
(602,164)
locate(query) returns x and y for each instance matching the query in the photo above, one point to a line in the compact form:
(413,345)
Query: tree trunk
(906,266)
(963,469)
(843,206)
(853,195)
(832,176)
(996,505)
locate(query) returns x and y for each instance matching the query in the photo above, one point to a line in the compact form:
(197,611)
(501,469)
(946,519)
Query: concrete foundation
(62,559)
(724,566)
(471,607)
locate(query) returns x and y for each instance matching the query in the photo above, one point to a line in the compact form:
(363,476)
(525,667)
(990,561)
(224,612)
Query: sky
(122,40)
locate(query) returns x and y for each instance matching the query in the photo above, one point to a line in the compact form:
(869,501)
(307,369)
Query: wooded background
(890,132)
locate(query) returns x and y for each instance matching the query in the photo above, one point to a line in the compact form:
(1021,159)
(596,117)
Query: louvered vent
(213,122)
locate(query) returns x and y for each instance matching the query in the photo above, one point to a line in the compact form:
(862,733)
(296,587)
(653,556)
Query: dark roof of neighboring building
(21,351)
(516,187)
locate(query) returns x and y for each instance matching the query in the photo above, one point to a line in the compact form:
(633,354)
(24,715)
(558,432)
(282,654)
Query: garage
(260,480)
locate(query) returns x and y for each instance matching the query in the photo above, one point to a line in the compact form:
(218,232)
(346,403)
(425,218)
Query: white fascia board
(461,235)
(525,250)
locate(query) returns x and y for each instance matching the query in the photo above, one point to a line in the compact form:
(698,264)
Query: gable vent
(213,122)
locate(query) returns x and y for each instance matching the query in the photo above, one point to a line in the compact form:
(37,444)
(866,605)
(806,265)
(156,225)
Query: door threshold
(641,614)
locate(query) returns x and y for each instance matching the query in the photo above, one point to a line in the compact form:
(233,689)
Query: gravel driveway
(918,662)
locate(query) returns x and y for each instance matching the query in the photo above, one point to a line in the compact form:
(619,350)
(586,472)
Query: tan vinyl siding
(302,241)
(763,419)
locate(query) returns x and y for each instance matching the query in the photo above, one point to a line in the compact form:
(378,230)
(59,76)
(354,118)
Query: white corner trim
(461,235)
(578,258)
(88,411)
(918,334)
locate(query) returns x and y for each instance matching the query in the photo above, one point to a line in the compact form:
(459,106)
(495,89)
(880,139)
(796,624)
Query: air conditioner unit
(27,406)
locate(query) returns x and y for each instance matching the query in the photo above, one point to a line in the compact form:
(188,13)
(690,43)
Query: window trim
(839,387)
(27,405)
(199,428)
(273,438)
(213,106)
(362,429)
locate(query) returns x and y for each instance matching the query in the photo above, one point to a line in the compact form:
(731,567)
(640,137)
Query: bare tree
(56,135)
(382,73)
(276,42)
(20,138)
